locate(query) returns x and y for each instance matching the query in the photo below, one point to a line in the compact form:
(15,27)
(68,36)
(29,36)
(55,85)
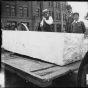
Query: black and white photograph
(44,44)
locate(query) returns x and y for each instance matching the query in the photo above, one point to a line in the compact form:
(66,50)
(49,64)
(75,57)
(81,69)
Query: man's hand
(44,18)
(41,24)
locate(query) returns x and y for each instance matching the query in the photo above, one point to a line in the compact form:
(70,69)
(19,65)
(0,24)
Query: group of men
(73,24)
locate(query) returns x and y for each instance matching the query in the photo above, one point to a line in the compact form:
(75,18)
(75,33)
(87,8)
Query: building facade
(29,12)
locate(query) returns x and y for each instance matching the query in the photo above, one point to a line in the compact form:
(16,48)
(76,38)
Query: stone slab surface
(58,48)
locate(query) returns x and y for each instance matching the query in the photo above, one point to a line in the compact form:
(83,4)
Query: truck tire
(82,72)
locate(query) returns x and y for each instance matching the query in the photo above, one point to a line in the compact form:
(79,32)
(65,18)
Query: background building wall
(34,14)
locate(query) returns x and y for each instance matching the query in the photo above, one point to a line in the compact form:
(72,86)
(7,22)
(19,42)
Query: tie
(74,26)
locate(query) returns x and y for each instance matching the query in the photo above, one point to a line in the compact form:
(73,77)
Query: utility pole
(32,14)
(61,17)
(41,8)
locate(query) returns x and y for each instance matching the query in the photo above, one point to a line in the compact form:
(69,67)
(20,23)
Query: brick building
(29,12)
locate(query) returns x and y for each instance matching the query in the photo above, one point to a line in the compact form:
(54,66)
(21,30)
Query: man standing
(69,18)
(77,26)
(47,21)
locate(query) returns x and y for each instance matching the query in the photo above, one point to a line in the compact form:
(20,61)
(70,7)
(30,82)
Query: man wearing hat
(69,18)
(47,21)
(77,26)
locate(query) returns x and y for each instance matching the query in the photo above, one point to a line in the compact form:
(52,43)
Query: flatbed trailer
(36,71)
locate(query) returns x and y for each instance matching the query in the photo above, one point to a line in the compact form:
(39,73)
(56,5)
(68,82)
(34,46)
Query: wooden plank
(7,68)
(72,66)
(36,80)
(47,73)
(58,71)
(26,64)
(58,48)
(39,83)
(16,70)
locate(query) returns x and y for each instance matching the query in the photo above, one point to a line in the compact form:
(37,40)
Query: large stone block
(58,48)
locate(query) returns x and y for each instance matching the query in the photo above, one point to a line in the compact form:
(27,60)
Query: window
(49,13)
(53,27)
(37,11)
(25,11)
(64,17)
(8,10)
(13,10)
(63,6)
(21,11)
(8,23)
(56,16)
(58,4)
(59,16)
(38,2)
(58,26)
(50,3)
(64,26)
(12,23)
(52,14)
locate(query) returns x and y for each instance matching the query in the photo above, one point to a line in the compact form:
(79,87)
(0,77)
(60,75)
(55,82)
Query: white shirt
(70,14)
(76,21)
(49,21)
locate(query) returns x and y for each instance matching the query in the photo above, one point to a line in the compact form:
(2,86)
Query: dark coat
(39,28)
(69,21)
(47,27)
(78,27)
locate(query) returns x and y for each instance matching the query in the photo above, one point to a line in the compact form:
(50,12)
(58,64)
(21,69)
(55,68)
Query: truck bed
(36,71)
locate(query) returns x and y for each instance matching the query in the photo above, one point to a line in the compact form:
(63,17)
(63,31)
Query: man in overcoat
(77,26)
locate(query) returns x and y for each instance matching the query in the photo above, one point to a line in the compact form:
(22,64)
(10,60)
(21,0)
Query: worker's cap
(45,10)
(76,13)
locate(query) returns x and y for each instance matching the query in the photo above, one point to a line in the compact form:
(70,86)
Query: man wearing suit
(77,26)
(69,19)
